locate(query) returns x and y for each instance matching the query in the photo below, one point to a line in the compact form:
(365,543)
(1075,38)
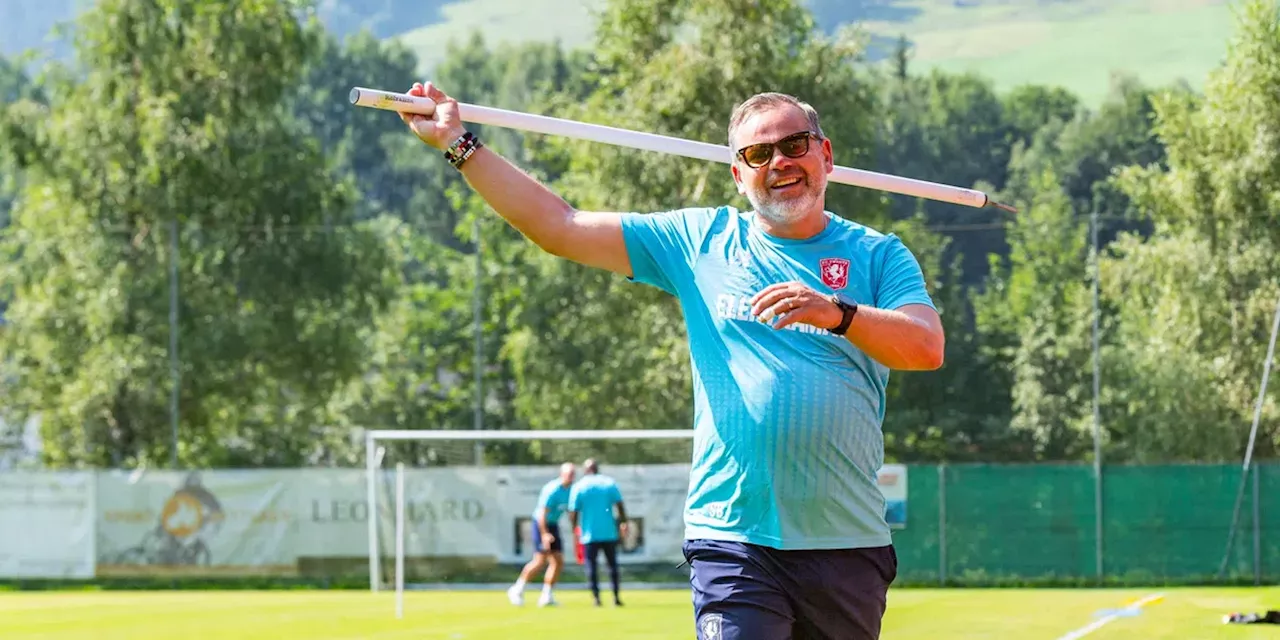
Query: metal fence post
(1097,527)
(175,364)
(942,524)
(1097,404)
(1257,529)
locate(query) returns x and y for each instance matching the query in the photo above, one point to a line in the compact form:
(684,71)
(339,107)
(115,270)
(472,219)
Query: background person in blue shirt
(548,546)
(595,505)
(795,318)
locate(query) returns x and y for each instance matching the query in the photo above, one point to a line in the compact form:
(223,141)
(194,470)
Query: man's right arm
(621,514)
(592,239)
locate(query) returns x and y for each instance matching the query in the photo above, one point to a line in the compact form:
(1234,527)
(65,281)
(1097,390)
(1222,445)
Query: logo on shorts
(711,627)
(835,272)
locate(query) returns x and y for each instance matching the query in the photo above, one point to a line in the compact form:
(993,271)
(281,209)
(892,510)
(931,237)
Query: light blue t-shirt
(787,423)
(593,498)
(554,497)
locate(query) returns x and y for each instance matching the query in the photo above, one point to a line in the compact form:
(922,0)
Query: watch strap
(848,311)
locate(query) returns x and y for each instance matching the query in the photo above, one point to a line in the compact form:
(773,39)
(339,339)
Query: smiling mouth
(782,184)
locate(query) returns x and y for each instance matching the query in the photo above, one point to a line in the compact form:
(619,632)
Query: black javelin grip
(391,101)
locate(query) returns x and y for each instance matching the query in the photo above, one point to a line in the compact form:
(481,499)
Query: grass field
(1073,43)
(319,615)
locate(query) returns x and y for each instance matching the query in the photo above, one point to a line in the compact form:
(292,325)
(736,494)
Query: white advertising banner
(334,513)
(265,521)
(46,524)
(450,511)
(653,496)
(209,522)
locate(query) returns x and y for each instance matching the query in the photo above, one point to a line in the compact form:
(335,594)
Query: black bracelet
(461,149)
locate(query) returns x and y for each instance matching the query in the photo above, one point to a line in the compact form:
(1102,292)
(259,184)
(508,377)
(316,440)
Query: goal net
(455,508)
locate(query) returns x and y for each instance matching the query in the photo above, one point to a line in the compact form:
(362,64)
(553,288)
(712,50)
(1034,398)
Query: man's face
(784,189)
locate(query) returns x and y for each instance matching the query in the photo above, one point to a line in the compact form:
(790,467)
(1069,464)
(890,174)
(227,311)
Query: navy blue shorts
(557,546)
(748,592)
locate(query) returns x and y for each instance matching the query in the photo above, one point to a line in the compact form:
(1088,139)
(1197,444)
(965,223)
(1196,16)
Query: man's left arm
(902,330)
(899,329)
(909,338)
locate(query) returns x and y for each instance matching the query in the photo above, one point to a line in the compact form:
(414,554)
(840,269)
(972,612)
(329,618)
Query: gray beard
(783,212)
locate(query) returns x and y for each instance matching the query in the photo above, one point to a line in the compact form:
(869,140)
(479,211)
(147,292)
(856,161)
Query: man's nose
(780,160)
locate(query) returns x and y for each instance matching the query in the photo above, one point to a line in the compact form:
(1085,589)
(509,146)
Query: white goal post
(375,452)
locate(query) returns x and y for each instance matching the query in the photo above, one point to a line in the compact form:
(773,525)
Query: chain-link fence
(965,524)
(1020,524)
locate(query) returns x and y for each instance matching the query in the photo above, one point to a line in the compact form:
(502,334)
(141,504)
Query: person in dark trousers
(595,505)
(795,315)
(548,545)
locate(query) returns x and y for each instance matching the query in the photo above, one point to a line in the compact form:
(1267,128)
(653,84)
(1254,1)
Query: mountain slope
(1073,43)
(1076,44)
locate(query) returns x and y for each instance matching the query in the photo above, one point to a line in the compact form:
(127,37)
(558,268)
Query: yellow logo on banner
(182,515)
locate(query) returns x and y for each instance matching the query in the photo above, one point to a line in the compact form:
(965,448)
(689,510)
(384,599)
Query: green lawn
(1073,43)
(319,615)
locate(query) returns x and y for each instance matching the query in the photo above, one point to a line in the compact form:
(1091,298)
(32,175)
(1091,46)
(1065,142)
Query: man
(795,318)
(548,548)
(592,504)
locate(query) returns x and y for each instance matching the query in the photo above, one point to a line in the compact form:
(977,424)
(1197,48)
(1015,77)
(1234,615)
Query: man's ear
(737,179)
(827,156)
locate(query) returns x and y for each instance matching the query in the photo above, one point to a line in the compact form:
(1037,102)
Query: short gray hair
(763,101)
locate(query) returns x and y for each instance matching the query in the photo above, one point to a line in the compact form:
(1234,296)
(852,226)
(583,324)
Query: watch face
(845,300)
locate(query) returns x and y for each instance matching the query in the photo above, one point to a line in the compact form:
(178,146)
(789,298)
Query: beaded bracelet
(461,149)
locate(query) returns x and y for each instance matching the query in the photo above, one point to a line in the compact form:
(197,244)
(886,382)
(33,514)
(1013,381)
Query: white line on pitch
(1097,624)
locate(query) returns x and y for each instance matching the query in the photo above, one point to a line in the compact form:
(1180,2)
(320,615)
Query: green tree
(1034,315)
(1194,302)
(361,143)
(14,85)
(1028,108)
(961,411)
(591,350)
(423,373)
(277,285)
(955,129)
(1085,150)
(952,129)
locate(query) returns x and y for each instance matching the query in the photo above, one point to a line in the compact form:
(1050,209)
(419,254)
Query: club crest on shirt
(711,625)
(835,272)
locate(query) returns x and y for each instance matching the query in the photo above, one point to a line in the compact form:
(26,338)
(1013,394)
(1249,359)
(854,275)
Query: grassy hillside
(1073,43)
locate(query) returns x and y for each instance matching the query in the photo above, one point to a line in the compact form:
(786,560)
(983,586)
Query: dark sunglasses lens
(757,154)
(795,146)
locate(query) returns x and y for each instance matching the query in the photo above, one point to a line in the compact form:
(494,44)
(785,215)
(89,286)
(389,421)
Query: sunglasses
(792,146)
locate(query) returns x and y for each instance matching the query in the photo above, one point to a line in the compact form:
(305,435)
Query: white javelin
(403,102)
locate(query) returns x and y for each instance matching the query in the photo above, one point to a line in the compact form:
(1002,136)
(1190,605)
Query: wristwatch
(848,307)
